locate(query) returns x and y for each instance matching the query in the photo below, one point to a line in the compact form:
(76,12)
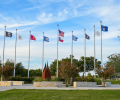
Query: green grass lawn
(23,94)
(114,81)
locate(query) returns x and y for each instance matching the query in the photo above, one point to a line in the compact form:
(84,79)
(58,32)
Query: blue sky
(40,16)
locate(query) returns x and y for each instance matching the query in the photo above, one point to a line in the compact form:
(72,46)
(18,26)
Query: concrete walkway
(30,86)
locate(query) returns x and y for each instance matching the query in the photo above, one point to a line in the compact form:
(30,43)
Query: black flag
(8,34)
(87,37)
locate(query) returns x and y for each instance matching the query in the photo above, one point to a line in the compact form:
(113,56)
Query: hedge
(25,79)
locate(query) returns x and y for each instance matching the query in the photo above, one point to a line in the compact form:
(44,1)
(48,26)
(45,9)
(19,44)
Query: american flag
(61,33)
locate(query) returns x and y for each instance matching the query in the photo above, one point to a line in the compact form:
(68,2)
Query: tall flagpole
(101,42)
(29,54)
(57,50)
(15,52)
(43,53)
(84,54)
(72,48)
(3,54)
(94,52)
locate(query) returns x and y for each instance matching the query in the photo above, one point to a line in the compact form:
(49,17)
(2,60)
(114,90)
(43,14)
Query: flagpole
(15,52)
(84,55)
(57,50)
(72,48)
(101,42)
(94,52)
(43,53)
(3,54)
(29,54)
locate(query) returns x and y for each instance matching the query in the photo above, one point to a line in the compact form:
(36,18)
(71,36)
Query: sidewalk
(30,86)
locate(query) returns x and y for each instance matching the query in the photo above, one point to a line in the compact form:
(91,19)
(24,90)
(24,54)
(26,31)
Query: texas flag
(60,39)
(32,37)
(61,33)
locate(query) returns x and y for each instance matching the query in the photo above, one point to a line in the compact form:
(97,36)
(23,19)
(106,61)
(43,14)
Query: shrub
(85,79)
(98,80)
(25,79)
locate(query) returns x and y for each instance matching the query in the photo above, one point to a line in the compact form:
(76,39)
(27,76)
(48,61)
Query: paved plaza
(30,86)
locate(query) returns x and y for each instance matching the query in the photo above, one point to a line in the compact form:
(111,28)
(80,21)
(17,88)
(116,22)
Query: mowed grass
(114,81)
(32,94)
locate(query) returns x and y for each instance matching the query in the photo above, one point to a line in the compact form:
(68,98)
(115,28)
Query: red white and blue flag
(60,39)
(61,33)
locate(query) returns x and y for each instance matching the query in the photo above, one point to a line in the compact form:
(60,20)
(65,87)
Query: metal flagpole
(72,48)
(15,52)
(101,42)
(43,53)
(57,50)
(29,54)
(84,55)
(3,54)
(94,52)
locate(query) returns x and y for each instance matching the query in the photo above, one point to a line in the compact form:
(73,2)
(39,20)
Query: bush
(25,79)
(98,80)
(39,79)
(85,79)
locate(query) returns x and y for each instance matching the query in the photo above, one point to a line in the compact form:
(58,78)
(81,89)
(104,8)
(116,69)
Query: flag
(19,37)
(87,37)
(46,39)
(8,34)
(74,38)
(32,37)
(97,33)
(61,33)
(104,28)
(60,39)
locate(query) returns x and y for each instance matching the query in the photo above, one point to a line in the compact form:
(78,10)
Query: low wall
(17,82)
(6,83)
(48,84)
(84,84)
(106,84)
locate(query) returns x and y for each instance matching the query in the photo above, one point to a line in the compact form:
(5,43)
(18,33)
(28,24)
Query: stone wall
(17,82)
(84,84)
(6,83)
(106,84)
(48,84)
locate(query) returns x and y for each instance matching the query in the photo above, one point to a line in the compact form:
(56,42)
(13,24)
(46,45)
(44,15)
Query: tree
(53,67)
(89,63)
(9,62)
(66,70)
(19,69)
(105,72)
(38,72)
(114,60)
(8,71)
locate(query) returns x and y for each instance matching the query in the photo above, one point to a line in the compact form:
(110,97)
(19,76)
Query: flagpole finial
(84,29)
(43,32)
(30,31)
(94,26)
(57,24)
(16,29)
(5,26)
(100,21)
